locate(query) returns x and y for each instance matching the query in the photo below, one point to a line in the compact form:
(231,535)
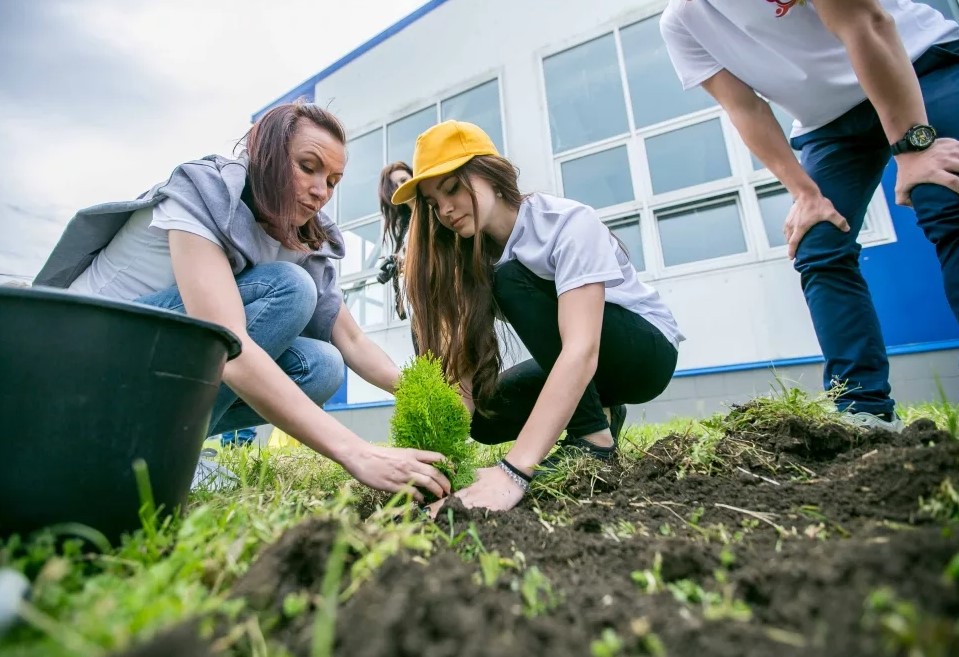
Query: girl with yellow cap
(599,337)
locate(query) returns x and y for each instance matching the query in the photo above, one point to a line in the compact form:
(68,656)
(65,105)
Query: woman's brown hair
(270,175)
(449,282)
(396,218)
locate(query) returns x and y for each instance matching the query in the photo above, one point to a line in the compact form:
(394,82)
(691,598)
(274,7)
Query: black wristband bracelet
(516,471)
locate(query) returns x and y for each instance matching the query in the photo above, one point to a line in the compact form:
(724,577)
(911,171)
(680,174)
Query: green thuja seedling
(430,415)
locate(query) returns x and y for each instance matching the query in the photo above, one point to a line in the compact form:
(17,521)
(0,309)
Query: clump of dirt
(776,548)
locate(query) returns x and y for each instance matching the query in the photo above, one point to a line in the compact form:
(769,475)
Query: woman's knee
(293,280)
(288,287)
(321,370)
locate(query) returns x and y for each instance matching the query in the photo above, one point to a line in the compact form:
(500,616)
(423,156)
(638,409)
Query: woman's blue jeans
(846,159)
(279,298)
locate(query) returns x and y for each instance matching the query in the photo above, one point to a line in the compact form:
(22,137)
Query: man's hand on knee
(938,164)
(807,211)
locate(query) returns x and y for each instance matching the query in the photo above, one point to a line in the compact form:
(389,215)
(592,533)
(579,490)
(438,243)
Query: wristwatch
(917,138)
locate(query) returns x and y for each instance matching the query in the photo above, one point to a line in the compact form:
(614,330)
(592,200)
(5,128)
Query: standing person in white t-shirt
(598,336)
(864,80)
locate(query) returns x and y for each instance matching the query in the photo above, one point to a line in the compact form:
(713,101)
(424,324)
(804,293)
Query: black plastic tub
(87,387)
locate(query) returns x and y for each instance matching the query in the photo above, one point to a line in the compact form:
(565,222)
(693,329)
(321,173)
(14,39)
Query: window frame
(355,281)
(744,182)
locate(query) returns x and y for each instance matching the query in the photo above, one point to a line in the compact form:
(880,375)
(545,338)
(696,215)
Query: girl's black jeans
(636,361)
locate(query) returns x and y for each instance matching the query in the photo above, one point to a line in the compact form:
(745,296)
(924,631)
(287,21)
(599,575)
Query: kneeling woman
(243,243)
(598,336)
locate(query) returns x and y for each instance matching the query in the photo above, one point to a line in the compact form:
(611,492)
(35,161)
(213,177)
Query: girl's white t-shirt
(137,260)
(564,241)
(783,51)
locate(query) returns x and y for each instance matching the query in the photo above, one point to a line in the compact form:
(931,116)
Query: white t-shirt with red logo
(782,50)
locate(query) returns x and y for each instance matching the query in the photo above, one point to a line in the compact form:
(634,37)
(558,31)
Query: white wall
(750,312)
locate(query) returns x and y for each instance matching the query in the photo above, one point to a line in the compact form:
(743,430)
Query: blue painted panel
(339,398)
(906,281)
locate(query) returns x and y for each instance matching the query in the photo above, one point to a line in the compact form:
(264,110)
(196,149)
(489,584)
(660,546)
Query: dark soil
(802,522)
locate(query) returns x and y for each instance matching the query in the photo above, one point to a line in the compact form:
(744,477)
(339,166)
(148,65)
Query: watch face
(922,136)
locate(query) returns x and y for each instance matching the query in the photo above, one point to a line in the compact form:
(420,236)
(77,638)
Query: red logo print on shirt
(783,6)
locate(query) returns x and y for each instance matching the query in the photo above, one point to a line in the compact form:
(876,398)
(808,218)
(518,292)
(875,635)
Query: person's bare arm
(580,325)
(209,292)
(757,125)
(882,65)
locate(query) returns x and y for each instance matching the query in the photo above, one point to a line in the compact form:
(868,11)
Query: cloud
(60,68)
(100,99)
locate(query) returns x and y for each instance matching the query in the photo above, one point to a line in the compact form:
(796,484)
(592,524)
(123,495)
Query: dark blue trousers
(846,159)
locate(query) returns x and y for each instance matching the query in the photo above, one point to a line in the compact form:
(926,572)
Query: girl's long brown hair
(271,172)
(396,218)
(449,283)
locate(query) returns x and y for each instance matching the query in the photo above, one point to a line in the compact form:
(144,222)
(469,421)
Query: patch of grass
(430,415)
(640,641)
(905,630)
(943,505)
(943,412)
(637,439)
(714,605)
(86,603)
(951,573)
(767,412)
(569,470)
(534,588)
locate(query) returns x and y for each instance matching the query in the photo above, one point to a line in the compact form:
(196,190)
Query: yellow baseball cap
(443,148)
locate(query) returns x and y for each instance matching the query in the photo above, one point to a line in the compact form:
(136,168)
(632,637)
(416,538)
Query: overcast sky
(100,99)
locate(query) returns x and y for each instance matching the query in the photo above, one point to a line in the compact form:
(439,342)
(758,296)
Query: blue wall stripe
(332,408)
(307,87)
(899,350)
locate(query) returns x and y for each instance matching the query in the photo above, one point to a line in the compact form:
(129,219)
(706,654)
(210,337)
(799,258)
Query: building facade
(583,99)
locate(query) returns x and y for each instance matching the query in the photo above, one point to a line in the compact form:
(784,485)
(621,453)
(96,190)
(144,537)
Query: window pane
(479,105)
(786,123)
(627,231)
(584,93)
(401,135)
(654,88)
(946,7)
(688,156)
(362,248)
(600,179)
(357,192)
(701,233)
(774,206)
(366,304)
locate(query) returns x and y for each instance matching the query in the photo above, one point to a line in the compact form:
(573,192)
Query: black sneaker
(617,418)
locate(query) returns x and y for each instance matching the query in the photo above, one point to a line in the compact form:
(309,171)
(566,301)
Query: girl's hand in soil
(393,469)
(493,490)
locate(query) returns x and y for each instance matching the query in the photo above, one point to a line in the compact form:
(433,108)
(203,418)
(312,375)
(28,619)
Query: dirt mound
(801,539)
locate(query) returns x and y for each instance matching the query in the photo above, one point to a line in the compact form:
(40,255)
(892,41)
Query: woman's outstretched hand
(493,490)
(393,469)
